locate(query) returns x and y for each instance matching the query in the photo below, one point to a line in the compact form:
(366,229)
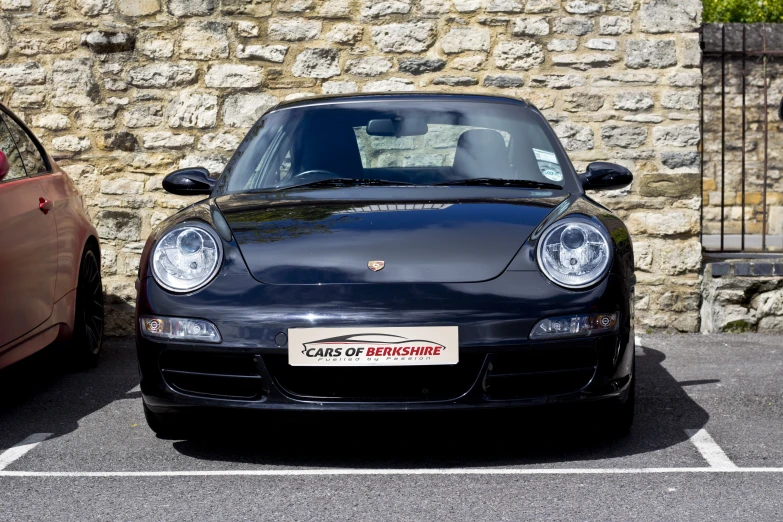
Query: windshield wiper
(499,182)
(345,182)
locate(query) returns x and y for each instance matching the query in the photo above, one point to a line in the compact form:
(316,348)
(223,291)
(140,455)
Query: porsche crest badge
(376,265)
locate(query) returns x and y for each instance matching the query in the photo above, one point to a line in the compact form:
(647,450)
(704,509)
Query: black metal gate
(742,137)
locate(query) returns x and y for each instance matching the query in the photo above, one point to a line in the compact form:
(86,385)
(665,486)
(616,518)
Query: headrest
(481,153)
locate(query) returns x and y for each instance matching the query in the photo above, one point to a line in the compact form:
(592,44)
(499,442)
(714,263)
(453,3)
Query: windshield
(392,141)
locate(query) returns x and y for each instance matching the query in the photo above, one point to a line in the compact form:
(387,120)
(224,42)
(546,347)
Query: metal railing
(736,56)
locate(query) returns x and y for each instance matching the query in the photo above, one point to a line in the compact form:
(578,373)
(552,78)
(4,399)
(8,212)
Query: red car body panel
(40,254)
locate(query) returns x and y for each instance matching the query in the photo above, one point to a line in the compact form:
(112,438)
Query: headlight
(179,329)
(186,257)
(578,325)
(574,253)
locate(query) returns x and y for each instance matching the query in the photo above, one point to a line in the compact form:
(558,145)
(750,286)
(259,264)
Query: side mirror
(5,165)
(601,175)
(193,181)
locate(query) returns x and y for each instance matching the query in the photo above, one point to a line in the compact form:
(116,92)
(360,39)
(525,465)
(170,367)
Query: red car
(50,279)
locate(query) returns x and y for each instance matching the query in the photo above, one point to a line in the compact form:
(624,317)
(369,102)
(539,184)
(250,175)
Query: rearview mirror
(398,127)
(601,175)
(5,165)
(193,181)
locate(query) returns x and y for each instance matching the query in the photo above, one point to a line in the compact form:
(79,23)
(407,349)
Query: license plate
(415,346)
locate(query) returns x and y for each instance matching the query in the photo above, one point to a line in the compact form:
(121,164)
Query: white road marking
(637,340)
(365,472)
(135,389)
(18,451)
(710,450)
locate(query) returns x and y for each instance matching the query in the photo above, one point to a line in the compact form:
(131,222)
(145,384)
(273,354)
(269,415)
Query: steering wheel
(315,171)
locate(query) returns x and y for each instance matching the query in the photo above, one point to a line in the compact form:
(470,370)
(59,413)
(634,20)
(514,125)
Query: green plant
(743,11)
(739,326)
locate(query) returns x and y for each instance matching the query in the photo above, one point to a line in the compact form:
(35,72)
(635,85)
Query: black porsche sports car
(389,252)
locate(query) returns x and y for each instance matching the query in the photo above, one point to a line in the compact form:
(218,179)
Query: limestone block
(243,110)
(672,222)
(247,29)
(192,109)
(573,26)
(118,224)
(575,137)
(24,73)
(333,87)
(392,84)
(204,41)
(161,75)
(614,25)
(124,7)
(562,45)
(670,16)
(71,143)
(518,55)
(185,8)
(624,136)
(528,26)
(585,61)
(219,141)
(503,81)
(655,54)
(460,39)
(421,65)
(143,116)
(233,76)
(166,140)
(345,33)
(557,81)
(677,135)
(269,53)
(293,29)
(51,121)
(633,101)
(369,66)
(583,101)
(582,7)
(74,83)
(317,63)
(414,37)
(371,9)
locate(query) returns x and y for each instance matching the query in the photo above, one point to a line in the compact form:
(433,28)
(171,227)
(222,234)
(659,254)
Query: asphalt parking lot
(707,445)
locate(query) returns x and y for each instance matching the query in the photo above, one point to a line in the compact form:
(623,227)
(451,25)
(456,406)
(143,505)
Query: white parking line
(17,451)
(365,472)
(710,450)
(135,389)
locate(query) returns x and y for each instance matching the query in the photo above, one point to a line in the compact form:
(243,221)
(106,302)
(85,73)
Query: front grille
(545,371)
(212,375)
(376,383)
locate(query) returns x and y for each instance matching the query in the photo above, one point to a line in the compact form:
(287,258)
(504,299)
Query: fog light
(179,329)
(580,325)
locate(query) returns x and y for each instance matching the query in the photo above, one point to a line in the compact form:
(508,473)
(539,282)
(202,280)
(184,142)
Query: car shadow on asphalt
(455,439)
(45,394)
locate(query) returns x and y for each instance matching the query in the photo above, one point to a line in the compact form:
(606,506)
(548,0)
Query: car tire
(166,425)
(618,417)
(87,339)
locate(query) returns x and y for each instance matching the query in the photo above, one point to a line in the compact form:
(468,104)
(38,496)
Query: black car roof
(409,95)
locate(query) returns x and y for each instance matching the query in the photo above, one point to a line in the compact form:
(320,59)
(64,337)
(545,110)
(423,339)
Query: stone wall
(743,296)
(123,91)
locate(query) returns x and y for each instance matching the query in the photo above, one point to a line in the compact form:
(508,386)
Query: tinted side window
(31,157)
(8,147)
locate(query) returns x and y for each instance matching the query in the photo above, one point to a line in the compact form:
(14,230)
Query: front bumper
(499,366)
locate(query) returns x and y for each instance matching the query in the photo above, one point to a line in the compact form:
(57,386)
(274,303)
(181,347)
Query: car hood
(435,235)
